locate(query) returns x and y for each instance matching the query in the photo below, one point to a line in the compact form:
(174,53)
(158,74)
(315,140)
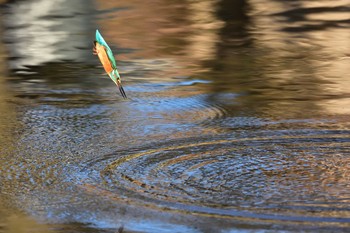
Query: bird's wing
(111,57)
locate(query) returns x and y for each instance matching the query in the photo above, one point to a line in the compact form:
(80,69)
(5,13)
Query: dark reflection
(232,60)
(304,16)
(236,116)
(235,32)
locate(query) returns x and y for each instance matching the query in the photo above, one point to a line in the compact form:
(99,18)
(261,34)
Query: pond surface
(237,117)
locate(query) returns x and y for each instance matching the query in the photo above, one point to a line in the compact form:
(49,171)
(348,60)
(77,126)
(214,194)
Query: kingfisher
(104,53)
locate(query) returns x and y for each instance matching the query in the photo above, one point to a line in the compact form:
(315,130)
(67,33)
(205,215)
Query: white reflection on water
(42,31)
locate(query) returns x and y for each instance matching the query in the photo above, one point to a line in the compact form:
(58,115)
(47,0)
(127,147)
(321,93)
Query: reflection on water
(46,31)
(237,116)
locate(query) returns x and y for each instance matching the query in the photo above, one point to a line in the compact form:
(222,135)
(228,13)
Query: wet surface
(237,117)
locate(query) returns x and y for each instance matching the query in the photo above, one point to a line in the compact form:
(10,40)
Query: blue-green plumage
(101,41)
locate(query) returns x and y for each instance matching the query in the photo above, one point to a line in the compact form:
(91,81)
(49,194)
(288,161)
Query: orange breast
(102,55)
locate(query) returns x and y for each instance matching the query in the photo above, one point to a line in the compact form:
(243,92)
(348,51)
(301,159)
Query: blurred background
(237,117)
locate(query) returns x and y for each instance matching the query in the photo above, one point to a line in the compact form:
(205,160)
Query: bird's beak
(121,89)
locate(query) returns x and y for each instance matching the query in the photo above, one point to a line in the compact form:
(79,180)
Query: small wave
(300,177)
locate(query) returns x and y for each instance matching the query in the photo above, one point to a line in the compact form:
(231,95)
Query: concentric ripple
(302,176)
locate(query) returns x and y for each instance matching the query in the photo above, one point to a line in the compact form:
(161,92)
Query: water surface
(237,117)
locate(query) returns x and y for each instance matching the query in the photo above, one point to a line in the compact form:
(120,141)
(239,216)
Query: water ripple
(300,177)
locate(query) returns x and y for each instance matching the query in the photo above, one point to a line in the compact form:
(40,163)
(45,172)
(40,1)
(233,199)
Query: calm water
(237,117)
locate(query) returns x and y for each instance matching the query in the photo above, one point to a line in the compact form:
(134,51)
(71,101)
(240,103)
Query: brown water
(237,118)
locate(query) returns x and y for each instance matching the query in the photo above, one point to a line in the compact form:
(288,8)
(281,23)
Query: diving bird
(104,53)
